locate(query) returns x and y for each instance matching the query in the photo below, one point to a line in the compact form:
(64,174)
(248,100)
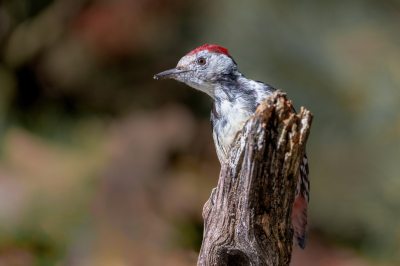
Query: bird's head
(203,68)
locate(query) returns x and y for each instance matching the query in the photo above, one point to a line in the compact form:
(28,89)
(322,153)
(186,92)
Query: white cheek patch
(198,84)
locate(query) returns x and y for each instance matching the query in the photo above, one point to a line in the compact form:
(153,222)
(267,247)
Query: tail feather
(300,221)
(301,241)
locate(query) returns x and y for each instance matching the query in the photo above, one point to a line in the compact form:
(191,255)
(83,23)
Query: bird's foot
(212,195)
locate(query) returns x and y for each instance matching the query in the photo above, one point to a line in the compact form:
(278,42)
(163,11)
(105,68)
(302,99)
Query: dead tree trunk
(251,220)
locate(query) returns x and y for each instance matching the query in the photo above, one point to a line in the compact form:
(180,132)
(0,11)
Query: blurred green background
(102,165)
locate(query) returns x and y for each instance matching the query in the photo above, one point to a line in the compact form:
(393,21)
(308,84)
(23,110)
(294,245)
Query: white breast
(233,118)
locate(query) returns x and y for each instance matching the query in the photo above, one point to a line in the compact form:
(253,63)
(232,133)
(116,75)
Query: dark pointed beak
(169,73)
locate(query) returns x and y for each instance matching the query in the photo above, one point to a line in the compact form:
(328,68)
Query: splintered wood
(251,220)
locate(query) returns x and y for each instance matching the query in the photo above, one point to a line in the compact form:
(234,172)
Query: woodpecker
(211,69)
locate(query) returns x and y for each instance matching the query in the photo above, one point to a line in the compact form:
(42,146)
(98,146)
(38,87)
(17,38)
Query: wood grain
(251,220)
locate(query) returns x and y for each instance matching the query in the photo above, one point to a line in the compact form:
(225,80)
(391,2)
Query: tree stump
(251,220)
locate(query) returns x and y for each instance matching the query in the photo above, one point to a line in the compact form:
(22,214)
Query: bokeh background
(102,165)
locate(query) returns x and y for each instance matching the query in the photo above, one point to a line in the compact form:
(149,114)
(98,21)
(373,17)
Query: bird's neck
(233,103)
(229,87)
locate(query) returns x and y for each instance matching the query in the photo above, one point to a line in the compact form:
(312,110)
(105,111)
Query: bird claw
(212,195)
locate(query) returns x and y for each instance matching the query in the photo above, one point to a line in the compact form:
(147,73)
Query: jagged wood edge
(250,223)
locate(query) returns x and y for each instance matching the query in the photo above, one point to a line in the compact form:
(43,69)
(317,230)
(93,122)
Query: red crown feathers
(213,48)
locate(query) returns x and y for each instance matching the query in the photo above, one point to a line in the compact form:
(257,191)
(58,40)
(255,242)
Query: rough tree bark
(251,220)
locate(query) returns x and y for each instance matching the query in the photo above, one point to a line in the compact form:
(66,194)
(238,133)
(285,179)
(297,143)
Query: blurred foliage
(102,165)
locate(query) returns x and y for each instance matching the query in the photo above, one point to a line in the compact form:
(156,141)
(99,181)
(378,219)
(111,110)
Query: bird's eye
(201,61)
